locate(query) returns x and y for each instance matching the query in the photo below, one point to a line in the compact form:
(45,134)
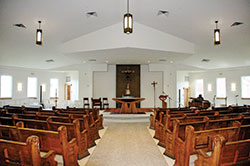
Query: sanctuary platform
(125,118)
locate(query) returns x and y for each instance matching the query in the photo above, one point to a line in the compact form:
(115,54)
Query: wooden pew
(92,126)
(169,122)
(179,131)
(49,140)
(156,115)
(73,131)
(24,153)
(80,111)
(159,124)
(195,140)
(86,123)
(225,153)
(169,125)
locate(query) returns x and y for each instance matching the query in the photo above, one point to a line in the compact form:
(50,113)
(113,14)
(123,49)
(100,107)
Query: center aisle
(126,144)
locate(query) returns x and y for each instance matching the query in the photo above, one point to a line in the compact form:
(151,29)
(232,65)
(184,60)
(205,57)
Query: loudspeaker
(68,78)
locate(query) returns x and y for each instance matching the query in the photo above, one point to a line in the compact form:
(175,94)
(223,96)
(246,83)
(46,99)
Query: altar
(128,104)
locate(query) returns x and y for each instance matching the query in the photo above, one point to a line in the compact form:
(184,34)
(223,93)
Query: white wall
(20,75)
(169,80)
(105,84)
(147,90)
(163,74)
(98,80)
(232,76)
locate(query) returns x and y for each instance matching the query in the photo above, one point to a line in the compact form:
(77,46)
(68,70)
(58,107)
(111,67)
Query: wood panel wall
(135,81)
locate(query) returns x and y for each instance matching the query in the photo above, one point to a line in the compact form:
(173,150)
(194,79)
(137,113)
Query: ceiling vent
(49,60)
(92,60)
(162,60)
(236,24)
(89,14)
(163,12)
(205,60)
(19,25)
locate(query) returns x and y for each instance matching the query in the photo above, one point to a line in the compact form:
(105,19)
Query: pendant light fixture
(216,35)
(128,21)
(39,35)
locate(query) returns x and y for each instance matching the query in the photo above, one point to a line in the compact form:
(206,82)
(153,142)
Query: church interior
(124,82)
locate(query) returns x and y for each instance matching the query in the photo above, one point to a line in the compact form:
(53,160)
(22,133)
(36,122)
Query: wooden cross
(154,84)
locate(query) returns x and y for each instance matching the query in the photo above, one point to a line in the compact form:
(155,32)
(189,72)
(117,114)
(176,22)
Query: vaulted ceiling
(183,37)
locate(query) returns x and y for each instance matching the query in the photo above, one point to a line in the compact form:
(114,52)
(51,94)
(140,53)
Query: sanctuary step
(125,118)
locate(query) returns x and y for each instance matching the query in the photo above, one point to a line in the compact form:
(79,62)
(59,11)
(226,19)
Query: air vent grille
(19,25)
(205,60)
(236,24)
(92,60)
(49,60)
(92,13)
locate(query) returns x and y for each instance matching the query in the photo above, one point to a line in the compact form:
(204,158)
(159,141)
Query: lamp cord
(128,6)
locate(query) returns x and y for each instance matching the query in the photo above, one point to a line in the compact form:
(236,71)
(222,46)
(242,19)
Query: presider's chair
(105,103)
(85,102)
(96,102)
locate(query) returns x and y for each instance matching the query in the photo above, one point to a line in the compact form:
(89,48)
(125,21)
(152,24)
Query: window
(54,85)
(6,86)
(32,87)
(199,87)
(245,87)
(221,87)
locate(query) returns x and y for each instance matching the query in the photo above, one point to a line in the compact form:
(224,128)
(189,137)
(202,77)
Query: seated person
(200,98)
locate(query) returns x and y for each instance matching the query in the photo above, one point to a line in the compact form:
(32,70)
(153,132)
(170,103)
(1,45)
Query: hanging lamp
(39,34)
(128,21)
(216,35)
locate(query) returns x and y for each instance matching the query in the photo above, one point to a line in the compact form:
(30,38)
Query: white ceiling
(64,21)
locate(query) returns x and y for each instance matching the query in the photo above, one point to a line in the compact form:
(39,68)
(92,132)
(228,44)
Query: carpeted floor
(126,144)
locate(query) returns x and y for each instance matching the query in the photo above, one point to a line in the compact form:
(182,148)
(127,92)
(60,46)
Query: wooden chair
(96,102)
(85,102)
(105,102)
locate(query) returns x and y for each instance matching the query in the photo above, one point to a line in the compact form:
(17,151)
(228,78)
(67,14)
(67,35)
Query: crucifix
(128,73)
(154,84)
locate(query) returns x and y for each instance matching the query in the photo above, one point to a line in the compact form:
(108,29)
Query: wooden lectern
(163,98)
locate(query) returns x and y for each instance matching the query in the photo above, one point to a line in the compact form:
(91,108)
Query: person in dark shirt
(200,98)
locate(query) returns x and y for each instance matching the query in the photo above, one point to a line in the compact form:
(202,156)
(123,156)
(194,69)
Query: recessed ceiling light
(148,61)
(20,25)
(50,60)
(163,12)
(107,61)
(92,13)
(83,61)
(171,61)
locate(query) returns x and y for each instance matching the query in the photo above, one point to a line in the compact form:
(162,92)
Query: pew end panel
(225,154)
(24,153)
